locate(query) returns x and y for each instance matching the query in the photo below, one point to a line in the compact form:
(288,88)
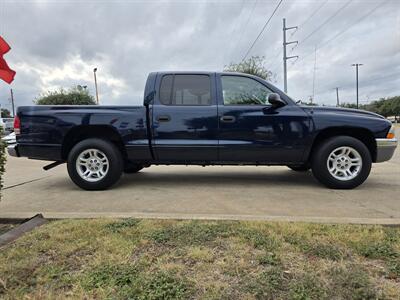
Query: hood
(340,111)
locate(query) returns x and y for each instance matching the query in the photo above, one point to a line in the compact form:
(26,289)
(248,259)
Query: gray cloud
(57,44)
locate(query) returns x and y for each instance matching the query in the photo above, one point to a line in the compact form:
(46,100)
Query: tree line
(387,107)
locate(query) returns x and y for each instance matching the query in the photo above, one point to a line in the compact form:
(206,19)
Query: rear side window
(185,90)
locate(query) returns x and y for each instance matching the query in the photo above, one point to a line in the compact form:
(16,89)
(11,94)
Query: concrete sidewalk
(257,193)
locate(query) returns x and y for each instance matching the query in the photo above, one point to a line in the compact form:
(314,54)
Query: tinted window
(166,89)
(185,90)
(239,90)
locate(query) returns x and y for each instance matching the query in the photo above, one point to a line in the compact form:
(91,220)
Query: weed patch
(260,239)
(127,282)
(191,233)
(352,282)
(270,259)
(164,285)
(325,250)
(121,225)
(117,276)
(377,249)
(306,286)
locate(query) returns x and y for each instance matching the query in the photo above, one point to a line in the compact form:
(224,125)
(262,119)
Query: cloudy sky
(58,43)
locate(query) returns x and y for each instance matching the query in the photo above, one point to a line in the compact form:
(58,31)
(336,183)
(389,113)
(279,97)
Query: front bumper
(385,149)
(13,150)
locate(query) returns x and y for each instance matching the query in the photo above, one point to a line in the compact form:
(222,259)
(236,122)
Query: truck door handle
(163,118)
(228,119)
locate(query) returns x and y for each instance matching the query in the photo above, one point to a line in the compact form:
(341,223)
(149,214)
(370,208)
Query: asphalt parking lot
(260,193)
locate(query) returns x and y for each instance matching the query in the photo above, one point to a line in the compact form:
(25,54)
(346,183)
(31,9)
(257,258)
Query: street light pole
(12,102)
(95,85)
(357,65)
(337,97)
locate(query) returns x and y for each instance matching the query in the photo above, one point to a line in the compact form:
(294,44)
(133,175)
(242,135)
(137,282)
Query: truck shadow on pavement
(215,179)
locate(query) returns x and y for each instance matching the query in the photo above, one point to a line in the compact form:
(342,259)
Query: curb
(183,216)
(20,230)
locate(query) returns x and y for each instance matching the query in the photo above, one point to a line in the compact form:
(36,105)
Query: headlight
(391,133)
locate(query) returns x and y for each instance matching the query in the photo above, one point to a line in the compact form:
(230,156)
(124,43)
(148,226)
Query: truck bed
(46,128)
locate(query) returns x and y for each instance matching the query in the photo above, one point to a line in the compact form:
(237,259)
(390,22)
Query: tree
(254,65)
(386,107)
(348,105)
(396,107)
(73,96)
(5,113)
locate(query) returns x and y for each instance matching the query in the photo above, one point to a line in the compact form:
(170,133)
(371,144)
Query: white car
(7,124)
(10,139)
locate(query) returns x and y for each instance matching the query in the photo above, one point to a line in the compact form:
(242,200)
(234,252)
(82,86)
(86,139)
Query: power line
(364,83)
(325,22)
(229,52)
(246,24)
(272,59)
(312,15)
(262,30)
(344,30)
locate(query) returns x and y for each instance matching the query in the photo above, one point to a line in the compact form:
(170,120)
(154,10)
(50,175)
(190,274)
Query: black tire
(115,164)
(320,162)
(131,168)
(299,168)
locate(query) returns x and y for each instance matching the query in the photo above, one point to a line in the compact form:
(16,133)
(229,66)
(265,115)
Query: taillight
(17,125)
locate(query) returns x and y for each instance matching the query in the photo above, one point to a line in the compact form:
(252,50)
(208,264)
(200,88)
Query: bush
(73,96)
(2,159)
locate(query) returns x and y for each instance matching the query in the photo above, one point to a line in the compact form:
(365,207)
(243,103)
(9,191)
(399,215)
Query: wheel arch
(83,132)
(362,134)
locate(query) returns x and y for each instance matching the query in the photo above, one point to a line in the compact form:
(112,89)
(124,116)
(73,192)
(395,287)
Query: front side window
(239,90)
(185,90)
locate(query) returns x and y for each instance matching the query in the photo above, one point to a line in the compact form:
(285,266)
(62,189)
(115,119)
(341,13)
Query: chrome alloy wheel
(92,165)
(344,163)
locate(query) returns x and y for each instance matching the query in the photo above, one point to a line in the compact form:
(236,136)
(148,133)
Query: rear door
(185,121)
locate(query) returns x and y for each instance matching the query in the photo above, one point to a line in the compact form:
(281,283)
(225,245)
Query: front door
(251,130)
(185,120)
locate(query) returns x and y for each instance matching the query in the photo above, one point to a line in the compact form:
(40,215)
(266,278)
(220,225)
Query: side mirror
(149,98)
(275,100)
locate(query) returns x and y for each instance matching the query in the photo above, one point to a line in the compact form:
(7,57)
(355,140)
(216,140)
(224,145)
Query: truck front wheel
(94,164)
(341,162)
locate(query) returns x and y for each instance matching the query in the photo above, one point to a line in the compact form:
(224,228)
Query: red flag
(5,72)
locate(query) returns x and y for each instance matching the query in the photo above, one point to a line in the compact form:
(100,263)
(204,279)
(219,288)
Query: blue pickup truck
(205,118)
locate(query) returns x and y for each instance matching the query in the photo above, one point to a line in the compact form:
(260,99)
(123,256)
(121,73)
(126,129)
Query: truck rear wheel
(341,162)
(94,164)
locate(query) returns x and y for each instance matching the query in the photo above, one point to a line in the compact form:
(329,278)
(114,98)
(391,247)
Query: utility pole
(357,65)
(12,103)
(285,58)
(337,97)
(95,85)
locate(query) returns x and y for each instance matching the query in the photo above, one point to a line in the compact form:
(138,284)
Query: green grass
(168,259)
